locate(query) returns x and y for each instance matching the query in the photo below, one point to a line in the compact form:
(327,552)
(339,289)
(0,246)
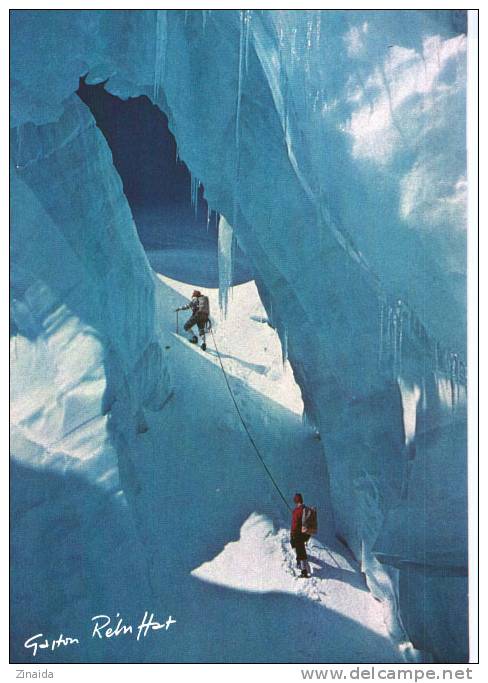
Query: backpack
(309,520)
(203,304)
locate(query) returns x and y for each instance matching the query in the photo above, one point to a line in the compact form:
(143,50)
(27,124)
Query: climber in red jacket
(298,538)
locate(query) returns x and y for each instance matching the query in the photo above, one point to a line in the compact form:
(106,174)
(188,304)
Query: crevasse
(328,137)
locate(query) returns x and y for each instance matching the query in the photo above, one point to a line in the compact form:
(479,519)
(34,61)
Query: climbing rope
(245,426)
(250,435)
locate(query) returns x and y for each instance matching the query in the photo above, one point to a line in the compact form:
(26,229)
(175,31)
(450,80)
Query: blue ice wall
(334,144)
(344,179)
(86,368)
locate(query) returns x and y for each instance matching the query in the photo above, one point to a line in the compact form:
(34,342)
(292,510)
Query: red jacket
(296,520)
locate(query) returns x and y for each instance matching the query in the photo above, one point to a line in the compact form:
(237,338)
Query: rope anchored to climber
(199,305)
(200,308)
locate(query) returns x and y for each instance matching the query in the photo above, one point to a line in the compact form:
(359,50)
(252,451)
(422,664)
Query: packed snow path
(237,590)
(262,561)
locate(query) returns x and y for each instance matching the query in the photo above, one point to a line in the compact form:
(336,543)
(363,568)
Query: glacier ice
(327,139)
(86,366)
(226,258)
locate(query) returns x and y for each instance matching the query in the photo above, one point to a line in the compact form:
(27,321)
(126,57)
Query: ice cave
(308,170)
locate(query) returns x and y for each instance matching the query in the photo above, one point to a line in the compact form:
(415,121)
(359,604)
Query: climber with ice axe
(200,308)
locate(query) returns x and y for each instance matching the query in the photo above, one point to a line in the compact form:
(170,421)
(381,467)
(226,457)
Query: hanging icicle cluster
(399,326)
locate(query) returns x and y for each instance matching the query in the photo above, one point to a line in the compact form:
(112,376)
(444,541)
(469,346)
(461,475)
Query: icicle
(238,116)
(308,47)
(456,368)
(192,189)
(410,395)
(247,20)
(204,19)
(197,198)
(284,346)
(424,395)
(239,82)
(389,326)
(397,334)
(315,101)
(161,39)
(293,49)
(195,186)
(462,372)
(400,337)
(209,211)
(225,260)
(395,343)
(186,15)
(454,377)
(281,41)
(309,32)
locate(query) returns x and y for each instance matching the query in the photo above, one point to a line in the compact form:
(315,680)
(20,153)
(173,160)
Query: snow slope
(236,509)
(189,498)
(248,345)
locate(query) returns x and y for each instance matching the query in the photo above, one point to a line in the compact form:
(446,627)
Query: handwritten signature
(104,627)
